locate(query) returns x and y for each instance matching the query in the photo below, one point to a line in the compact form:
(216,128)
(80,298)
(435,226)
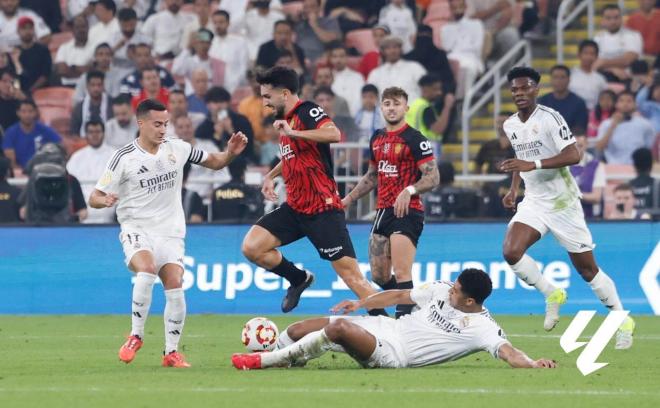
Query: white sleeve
(492,339)
(60,56)
(634,43)
(112,176)
(422,295)
(558,131)
(189,153)
(149,27)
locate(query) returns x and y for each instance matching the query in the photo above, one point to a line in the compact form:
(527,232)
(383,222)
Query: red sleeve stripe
(323,122)
(424,160)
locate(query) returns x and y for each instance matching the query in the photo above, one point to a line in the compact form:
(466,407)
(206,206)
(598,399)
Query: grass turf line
(71,361)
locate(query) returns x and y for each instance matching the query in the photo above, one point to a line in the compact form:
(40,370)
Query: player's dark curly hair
(148,105)
(523,72)
(476,284)
(279,77)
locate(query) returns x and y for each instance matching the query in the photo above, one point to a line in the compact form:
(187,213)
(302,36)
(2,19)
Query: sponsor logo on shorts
(330,252)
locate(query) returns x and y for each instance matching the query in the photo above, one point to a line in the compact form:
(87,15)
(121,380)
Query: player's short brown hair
(394,92)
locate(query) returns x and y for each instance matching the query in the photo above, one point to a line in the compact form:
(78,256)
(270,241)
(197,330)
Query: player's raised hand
(511,165)
(509,200)
(545,363)
(268,190)
(345,307)
(237,143)
(110,199)
(283,126)
(401,204)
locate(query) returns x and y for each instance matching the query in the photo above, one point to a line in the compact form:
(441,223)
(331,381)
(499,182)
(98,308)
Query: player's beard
(279,112)
(394,122)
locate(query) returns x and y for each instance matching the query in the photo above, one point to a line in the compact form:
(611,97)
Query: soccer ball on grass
(259,334)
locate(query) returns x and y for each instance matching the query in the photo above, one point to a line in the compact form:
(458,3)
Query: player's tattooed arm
(366,184)
(518,359)
(430,177)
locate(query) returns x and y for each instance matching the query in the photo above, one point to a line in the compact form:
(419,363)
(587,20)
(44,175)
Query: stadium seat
(361,40)
(55,96)
(438,10)
(49,114)
(292,8)
(57,40)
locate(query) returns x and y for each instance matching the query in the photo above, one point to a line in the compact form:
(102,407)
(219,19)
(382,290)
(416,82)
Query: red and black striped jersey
(307,165)
(397,156)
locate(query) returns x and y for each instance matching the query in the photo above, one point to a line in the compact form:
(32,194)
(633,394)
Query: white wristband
(538,164)
(412,190)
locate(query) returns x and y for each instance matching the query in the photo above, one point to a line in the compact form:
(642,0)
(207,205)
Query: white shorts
(164,249)
(389,351)
(567,225)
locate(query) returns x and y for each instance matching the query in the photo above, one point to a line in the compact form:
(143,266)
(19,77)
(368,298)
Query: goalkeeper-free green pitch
(71,361)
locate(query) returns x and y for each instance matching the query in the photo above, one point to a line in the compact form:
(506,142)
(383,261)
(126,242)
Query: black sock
(402,310)
(390,284)
(378,312)
(290,272)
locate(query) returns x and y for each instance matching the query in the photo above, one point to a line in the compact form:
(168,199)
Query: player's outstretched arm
(518,359)
(99,199)
(366,184)
(327,133)
(376,301)
(567,157)
(235,146)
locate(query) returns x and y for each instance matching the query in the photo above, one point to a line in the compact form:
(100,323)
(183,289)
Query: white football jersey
(437,332)
(545,134)
(149,186)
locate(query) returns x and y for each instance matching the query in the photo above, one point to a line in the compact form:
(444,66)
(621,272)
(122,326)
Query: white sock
(604,288)
(283,340)
(529,272)
(144,283)
(175,317)
(313,345)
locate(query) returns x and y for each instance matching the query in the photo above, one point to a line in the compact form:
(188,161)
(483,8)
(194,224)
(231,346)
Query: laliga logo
(586,362)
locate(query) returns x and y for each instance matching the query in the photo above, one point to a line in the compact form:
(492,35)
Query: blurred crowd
(73,71)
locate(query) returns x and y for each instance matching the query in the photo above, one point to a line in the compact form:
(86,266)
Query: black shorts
(326,230)
(410,225)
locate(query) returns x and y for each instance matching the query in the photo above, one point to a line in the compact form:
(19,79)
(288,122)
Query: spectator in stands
(165,28)
(640,76)
(257,25)
(151,88)
(270,147)
(371,60)
(235,200)
(199,81)
(122,128)
(496,16)
(325,98)
(324,78)
(432,112)
(230,48)
(88,164)
(9,195)
(252,108)
(10,13)
(186,62)
(645,188)
(124,42)
(193,205)
(347,82)
(142,8)
(107,26)
(74,56)
(561,99)
(586,82)
(314,31)
(9,99)
(282,40)
(24,138)
(353,15)
(463,39)
(177,106)
(624,205)
(50,11)
(32,60)
(433,59)
(648,102)
(80,7)
(221,122)
(132,83)
(202,9)
(102,63)
(369,117)
(492,153)
(590,176)
(395,71)
(185,130)
(624,132)
(646,21)
(619,46)
(96,105)
(401,21)
(603,110)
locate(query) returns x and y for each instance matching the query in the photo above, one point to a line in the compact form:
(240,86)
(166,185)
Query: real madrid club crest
(465,322)
(172,158)
(106,178)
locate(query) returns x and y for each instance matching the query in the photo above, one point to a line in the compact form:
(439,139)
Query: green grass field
(71,361)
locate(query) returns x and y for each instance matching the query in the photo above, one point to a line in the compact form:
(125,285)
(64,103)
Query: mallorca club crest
(386,148)
(397,148)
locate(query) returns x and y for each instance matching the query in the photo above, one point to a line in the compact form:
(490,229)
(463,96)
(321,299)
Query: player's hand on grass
(236,143)
(401,204)
(346,307)
(283,127)
(110,199)
(511,165)
(509,200)
(545,363)
(268,190)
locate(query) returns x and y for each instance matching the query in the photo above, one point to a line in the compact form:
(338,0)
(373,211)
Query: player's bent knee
(145,267)
(336,330)
(512,254)
(250,250)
